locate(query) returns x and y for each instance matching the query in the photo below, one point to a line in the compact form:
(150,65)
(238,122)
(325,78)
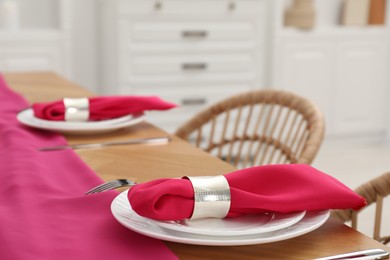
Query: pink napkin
(43,211)
(280,188)
(102,108)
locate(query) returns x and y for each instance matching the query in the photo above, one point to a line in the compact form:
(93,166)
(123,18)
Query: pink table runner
(43,211)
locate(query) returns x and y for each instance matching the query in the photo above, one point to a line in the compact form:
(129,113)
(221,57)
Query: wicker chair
(260,127)
(374,191)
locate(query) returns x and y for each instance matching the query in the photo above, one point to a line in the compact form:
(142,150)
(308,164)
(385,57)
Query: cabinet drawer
(190,96)
(186,7)
(15,59)
(190,31)
(191,100)
(189,64)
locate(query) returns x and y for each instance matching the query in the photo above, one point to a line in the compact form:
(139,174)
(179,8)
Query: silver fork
(111,185)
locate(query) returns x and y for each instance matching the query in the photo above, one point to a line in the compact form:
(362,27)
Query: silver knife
(362,255)
(154,140)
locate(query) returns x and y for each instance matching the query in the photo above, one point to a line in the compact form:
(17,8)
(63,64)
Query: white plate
(244,225)
(124,214)
(27,117)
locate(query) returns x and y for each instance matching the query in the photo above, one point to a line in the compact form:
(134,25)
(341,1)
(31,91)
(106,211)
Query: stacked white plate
(27,117)
(245,230)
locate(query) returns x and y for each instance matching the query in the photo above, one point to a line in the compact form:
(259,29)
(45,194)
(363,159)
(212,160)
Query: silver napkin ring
(76,109)
(212,196)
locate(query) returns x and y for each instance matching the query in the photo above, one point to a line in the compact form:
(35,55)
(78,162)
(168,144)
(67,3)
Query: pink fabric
(102,108)
(281,188)
(43,211)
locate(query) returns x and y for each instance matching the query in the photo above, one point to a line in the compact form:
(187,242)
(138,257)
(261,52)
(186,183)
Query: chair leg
(385,240)
(378,217)
(354,219)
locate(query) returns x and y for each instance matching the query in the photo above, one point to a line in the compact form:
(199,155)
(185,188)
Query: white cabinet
(189,52)
(195,52)
(42,44)
(345,75)
(306,68)
(360,95)
(32,52)
(342,69)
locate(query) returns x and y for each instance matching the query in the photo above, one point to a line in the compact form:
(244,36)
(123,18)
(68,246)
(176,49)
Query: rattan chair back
(374,191)
(260,127)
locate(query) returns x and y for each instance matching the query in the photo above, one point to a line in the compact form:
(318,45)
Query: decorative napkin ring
(76,109)
(212,196)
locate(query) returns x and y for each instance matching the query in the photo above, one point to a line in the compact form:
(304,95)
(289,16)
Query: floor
(353,162)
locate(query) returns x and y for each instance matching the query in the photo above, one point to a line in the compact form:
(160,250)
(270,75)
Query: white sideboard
(40,39)
(189,52)
(342,69)
(197,52)
(344,74)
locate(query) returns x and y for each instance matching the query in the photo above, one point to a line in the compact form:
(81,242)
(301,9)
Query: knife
(365,254)
(154,140)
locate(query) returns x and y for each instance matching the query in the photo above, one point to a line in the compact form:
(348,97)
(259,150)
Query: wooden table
(178,158)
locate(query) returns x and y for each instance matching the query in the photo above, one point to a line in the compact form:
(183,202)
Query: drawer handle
(232,6)
(158,6)
(194,34)
(194,66)
(193,101)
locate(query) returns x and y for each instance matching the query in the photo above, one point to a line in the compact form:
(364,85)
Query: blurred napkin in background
(279,188)
(104,107)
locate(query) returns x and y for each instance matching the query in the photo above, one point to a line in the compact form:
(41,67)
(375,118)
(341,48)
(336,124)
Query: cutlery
(365,254)
(111,185)
(156,140)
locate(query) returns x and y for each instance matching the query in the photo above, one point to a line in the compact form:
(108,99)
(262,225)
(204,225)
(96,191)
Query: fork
(111,185)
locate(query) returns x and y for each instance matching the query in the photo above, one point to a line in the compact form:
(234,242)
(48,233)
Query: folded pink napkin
(101,108)
(44,213)
(279,188)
